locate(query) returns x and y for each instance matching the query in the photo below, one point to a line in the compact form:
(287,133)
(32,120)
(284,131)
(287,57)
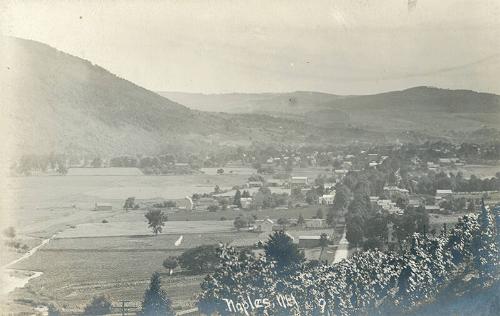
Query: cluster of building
(268,225)
(311,240)
(444,163)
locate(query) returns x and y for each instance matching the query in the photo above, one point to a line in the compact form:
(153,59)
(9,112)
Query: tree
(281,248)
(217,189)
(240,222)
(52,310)
(319,213)
(61,169)
(342,197)
(323,243)
(373,243)
(96,163)
(470,206)
(129,203)
(212,208)
(331,217)
(483,245)
(10,232)
(100,305)
(311,197)
(300,220)
(368,283)
(237,199)
(155,300)
(156,220)
(201,259)
(376,226)
(170,263)
(223,203)
(283,222)
(412,221)
(415,278)
(354,233)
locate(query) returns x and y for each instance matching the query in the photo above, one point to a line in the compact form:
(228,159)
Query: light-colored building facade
(327,199)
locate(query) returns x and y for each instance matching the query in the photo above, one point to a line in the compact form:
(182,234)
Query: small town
(329,204)
(250,158)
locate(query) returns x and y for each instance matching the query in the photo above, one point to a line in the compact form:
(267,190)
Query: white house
(314,223)
(327,199)
(264,225)
(442,193)
(246,202)
(299,181)
(254,184)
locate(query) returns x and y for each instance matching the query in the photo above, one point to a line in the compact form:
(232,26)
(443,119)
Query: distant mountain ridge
(53,102)
(299,101)
(426,109)
(431,98)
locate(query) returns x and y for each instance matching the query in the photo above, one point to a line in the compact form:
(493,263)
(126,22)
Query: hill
(421,108)
(56,102)
(428,109)
(298,102)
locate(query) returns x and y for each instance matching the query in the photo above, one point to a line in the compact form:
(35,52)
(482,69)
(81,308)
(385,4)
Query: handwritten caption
(244,305)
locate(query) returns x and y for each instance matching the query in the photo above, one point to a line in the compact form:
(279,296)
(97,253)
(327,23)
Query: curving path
(12,279)
(342,249)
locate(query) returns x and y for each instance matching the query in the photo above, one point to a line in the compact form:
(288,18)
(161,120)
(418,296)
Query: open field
(87,257)
(121,266)
(480,171)
(34,204)
(140,228)
(230,170)
(311,172)
(307,212)
(71,278)
(117,266)
(104,172)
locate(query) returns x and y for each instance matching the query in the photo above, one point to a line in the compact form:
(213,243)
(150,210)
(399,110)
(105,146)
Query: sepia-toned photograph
(250,158)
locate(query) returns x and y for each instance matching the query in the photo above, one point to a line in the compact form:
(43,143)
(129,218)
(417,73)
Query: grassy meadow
(87,257)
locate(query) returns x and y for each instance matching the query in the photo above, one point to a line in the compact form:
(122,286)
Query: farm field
(480,171)
(307,212)
(113,171)
(117,257)
(140,228)
(311,172)
(116,266)
(72,278)
(230,170)
(33,204)
(121,266)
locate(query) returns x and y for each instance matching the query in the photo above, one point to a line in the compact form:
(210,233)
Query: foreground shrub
(100,305)
(369,283)
(155,300)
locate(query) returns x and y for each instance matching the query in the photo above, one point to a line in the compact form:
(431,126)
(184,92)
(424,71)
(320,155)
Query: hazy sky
(344,47)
